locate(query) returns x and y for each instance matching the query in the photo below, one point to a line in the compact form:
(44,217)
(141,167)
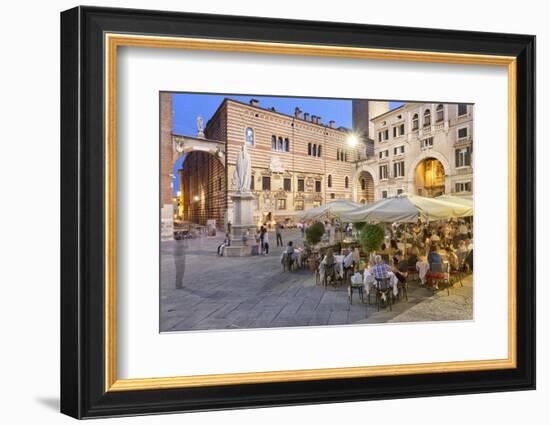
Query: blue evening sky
(188,106)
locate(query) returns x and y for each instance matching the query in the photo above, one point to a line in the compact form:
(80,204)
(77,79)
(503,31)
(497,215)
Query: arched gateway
(203,180)
(429,176)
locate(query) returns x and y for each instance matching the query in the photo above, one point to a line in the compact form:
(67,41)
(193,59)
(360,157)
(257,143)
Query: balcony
(463,141)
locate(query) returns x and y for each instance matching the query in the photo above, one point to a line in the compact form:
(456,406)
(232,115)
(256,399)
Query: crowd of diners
(421,248)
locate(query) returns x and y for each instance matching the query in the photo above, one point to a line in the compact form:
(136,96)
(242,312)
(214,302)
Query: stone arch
(426,155)
(203,187)
(364,186)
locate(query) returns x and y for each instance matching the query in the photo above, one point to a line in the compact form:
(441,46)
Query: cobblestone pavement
(253,292)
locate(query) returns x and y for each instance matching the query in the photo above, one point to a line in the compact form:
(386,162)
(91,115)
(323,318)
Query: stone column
(182,197)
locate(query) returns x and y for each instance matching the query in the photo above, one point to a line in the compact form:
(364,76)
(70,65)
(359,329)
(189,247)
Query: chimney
(331,123)
(313,119)
(306,116)
(254,102)
(297,112)
(318,120)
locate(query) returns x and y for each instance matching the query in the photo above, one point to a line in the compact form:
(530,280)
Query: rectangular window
(463,133)
(462,109)
(300,185)
(252,183)
(399,191)
(399,169)
(463,187)
(395,132)
(380,136)
(316,204)
(383,172)
(427,143)
(402,129)
(299,205)
(463,157)
(266,183)
(287,185)
(317,185)
(386,134)
(281,204)
(399,150)
(384,194)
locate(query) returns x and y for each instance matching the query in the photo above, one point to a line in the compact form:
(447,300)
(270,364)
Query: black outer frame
(82,207)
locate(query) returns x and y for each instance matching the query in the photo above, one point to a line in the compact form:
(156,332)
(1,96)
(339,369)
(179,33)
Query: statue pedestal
(243,220)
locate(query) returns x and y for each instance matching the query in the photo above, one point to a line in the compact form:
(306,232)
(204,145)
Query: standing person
(266,243)
(302,228)
(327,229)
(262,236)
(279,234)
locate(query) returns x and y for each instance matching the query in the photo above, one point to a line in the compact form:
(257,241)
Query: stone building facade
(426,149)
(298,162)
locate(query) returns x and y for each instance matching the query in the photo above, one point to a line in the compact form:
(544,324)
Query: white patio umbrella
(467,201)
(330,209)
(407,208)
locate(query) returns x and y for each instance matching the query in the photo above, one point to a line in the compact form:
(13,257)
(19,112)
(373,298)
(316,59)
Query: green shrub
(315,232)
(359,226)
(371,237)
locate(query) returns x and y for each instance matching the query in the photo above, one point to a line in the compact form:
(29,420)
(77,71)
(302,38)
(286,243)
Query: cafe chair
(383,291)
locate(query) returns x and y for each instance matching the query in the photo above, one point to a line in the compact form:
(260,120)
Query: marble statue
(243,171)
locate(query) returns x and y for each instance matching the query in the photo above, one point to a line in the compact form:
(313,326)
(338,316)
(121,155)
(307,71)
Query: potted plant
(314,233)
(371,237)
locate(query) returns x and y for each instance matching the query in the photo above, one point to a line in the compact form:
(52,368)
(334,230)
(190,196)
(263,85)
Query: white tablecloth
(368,281)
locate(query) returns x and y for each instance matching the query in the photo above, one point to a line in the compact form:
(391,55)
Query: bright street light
(352,140)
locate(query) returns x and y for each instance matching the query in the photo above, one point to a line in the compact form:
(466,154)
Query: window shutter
(467,161)
(456,157)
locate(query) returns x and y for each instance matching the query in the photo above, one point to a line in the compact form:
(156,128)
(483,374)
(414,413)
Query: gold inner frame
(113,41)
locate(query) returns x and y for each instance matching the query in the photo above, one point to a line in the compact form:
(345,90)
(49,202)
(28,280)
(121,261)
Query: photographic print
(279,212)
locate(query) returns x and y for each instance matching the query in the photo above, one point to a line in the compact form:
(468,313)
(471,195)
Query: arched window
(363,184)
(319,151)
(439,113)
(309,148)
(337,154)
(280,145)
(346,182)
(427,118)
(249,136)
(274,143)
(314,153)
(346,156)
(415,122)
(287,145)
(329,181)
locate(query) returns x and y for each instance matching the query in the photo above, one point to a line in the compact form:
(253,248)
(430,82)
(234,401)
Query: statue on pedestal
(243,172)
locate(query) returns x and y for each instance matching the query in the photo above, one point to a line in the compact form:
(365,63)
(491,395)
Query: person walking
(266,243)
(279,234)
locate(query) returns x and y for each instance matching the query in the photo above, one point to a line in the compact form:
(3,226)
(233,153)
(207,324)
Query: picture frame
(90,39)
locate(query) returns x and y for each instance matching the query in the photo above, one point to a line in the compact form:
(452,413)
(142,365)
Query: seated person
(289,248)
(348,259)
(226,242)
(329,257)
(380,269)
(434,257)
(422,266)
(452,258)
(400,268)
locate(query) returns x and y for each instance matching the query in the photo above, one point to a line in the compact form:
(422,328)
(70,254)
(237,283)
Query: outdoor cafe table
(368,280)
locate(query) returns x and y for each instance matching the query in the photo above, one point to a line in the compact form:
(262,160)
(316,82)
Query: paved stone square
(253,292)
